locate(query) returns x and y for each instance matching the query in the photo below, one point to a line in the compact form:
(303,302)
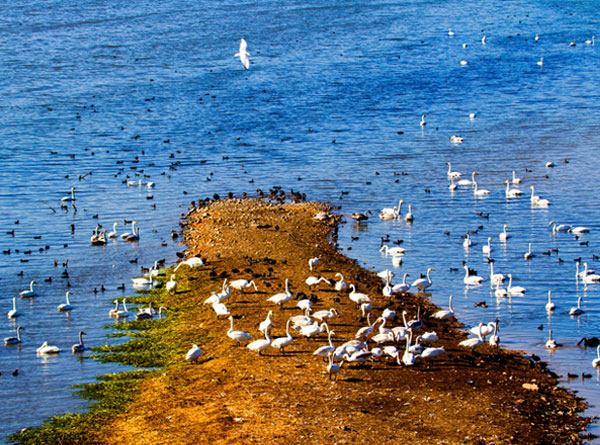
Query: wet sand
(234,395)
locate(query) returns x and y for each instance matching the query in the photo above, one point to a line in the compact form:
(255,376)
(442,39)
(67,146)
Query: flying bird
(243,54)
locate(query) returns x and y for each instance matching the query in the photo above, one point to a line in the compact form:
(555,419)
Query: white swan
(477,191)
(341,284)
(191,262)
(238,336)
(387,289)
(127,234)
(193,353)
(429,337)
(242,284)
(514,290)
(551,343)
(515,180)
(266,323)
(113,233)
(402,287)
(423,283)
(494,339)
(503,235)
(300,320)
(124,313)
(485,329)
(324,351)
(467,242)
(444,314)
(243,54)
(408,358)
(536,201)
(471,279)
(591,42)
(13,313)
(422,123)
(529,254)
(358,297)
(283,297)
(325,314)
(65,307)
(365,331)
(70,198)
(282,342)
(500,292)
(332,368)
(409,216)
(576,310)
(221,310)
(29,293)
(473,342)
(47,349)
(14,340)
(452,174)
(432,352)
(391,211)
(313,281)
(314,329)
(589,276)
(79,347)
(260,345)
(596,361)
(559,227)
(388,314)
(135,236)
(467,181)
(386,275)
(304,304)
(366,309)
(312,262)
(541,61)
(393,251)
(113,311)
(550,306)
(450,32)
(487,249)
(512,193)
(452,185)
(144,281)
(171,285)
(579,230)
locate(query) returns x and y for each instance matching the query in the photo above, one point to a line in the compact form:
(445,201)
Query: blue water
(331,102)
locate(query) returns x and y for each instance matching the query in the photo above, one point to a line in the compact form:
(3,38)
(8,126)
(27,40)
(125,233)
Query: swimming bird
(512,193)
(79,347)
(529,254)
(423,283)
(450,32)
(393,251)
(503,235)
(559,227)
(358,216)
(341,284)
(515,180)
(401,288)
(471,279)
(243,54)
(47,349)
(70,198)
(282,297)
(113,233)
(550,306)
(193,353)
(591,42)
(409,216)
(391,212)
(551,343)
(13,313)
(579,230)
(113,312)
(14,340)
(541,61)
(473,342)
(358,297)
(125,235)
(444,314)
(488,247)
(452,185)
(238,336)
(467,242)
(514,290)
(65,307)
(455,139)
(467,181)
(537,38)
(477,191)
(588,276)
(135,236)
(171,285)
(596,361)
(260,345)
(576,310)
(144,281)
(281,343)
(536,201)
(242,284)
(124,313)
(30,292)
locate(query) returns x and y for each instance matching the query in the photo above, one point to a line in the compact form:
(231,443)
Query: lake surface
(95,94)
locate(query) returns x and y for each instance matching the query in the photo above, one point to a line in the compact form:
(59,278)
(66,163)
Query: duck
(13,313)
(576,310)
(65,307)
(47,349)
(551,343)
(260,345)
(393,251)
(423,283)
(14,340)
(514,290)
(242,284)
(444,314)
(358,297)
(30,292)
(79,347)
(341,284)
(194,353)
(237,336)
(401,288)
(283,297)
(473,342)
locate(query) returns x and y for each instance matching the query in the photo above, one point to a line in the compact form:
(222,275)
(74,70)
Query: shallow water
(331,103)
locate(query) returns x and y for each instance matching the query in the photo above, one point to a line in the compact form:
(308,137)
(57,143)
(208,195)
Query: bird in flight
(243,54)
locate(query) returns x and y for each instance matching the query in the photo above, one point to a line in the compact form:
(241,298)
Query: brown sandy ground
(234,395)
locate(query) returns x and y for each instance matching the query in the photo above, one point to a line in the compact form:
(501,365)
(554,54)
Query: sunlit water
(331,102)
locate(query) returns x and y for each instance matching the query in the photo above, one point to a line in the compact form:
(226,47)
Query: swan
(221,310)
(79,347)
(452,174)
(467,181)
(314,329)
(477,191)
(282,342)
(382,328)
(146,313)
(596,361)
(388,314)
(383,337)
(365,331)
(591,42)
(579,230)
(537,37)
(366,309)
(467,242)
(358,356)
(282,297)
(423,283)
(160,312)
(65,307)
(358,297)
(391,212)
(393,251)
(386,216)
(503,235)
(488,247)
(387,289)
(417,348)
(30,292)
(238,336)
(191,262)
(550,306)
(415,323)
(429,337)
(242,284)
(135,236)
(551,343)
(326,350)
(422,123)
(325,314)
(452,185)
(313,281)
(113,311)
(332,368)
(528,255)
(450,32)
(98,239)
(485,329)
(514,290)
(536,201)
(13,313)
(515,180)
(304,304)
(402,287)
(390,350)
(144,281)
(432,352)
(409,216)
(127,234)
(341,284)
(512,193)
(456,139)
(589,276)
(194,353)
(408,358)
(541,61)
(243,54)
(113,233)
(47,349)
(559,227)
(401,331)
(386,275)
(444,314)
(300,320)
(358,216)
(124,313)
(312,262)
(171,284)
(155,270)
(473,342)
(494,339)
(14,340)
(576,310)
(266,323)
(70,198)
(500,292)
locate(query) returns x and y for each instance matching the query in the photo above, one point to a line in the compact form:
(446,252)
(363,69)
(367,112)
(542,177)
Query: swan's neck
(404,279)
(287,329)
(81,338)
(466,272)
(31,286)
(404,319)
(330,343)
(230,325)
(14,304)
(450,304)
(479,332)
(67,297)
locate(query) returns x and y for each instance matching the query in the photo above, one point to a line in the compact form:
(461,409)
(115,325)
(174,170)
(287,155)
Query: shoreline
(235,395)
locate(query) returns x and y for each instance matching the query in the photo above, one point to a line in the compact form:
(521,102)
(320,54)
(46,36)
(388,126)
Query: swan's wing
(243,46)
(245,61)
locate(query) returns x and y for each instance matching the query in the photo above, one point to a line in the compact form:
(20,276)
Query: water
(332,102)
